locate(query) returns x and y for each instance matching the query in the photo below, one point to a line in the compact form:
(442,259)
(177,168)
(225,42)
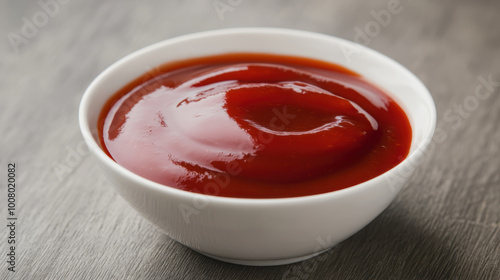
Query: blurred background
(72,225)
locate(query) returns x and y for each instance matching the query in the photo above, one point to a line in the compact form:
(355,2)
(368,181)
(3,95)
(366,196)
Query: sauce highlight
(254,126)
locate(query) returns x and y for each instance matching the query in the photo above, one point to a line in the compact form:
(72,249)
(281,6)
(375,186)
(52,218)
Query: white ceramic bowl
(262,231)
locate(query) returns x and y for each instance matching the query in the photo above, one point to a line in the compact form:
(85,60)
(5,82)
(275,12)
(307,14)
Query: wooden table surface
(71,224)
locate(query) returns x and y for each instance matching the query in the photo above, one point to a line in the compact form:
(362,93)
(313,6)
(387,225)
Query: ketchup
(254,126)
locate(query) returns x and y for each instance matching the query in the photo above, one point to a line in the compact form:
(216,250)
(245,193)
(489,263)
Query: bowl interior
(396,80)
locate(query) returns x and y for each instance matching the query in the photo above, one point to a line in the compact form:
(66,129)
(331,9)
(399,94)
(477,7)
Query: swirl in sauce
(254,126)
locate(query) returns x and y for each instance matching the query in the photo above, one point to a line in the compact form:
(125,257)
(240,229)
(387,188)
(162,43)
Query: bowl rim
(95,148)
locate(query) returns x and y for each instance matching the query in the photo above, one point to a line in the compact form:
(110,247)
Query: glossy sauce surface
(254,126)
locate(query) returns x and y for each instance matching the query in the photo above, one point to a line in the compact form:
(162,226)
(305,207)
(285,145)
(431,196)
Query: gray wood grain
(444,225)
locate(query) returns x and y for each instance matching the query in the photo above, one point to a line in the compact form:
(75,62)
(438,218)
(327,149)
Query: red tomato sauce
(254,126)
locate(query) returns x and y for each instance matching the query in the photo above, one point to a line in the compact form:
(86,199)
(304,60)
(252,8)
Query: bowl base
(264,262)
